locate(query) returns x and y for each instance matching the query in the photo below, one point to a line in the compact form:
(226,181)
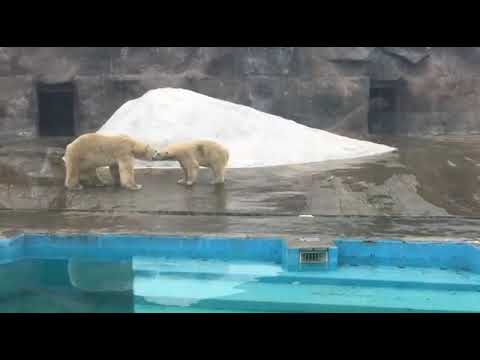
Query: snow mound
(254,138)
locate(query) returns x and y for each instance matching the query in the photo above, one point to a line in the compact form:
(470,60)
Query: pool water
(157,283)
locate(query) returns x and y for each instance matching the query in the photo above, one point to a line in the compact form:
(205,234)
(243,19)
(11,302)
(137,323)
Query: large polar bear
(118,152)
(194,154)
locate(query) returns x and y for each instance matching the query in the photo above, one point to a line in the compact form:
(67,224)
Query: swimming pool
(133,273)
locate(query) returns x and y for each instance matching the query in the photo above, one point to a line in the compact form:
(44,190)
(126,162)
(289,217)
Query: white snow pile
(254,138)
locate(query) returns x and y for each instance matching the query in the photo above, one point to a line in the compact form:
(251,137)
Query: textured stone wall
(326,88)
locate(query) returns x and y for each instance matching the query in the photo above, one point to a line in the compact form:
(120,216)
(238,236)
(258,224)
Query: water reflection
(46,286)
(100,276)
(163,282)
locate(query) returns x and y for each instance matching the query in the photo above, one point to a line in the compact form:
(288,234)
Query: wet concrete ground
(429,188)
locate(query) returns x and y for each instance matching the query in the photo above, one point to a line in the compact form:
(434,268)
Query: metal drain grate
(319,256)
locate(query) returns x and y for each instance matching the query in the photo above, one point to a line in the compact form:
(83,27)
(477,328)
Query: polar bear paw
(75,188)
(135,187)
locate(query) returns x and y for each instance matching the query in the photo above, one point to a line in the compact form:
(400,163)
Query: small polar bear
(90,151)
(194,154)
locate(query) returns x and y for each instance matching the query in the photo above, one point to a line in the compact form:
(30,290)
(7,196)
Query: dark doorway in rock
(56,115)
(384,106)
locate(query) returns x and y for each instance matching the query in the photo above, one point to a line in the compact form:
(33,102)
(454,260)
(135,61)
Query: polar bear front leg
(191,166)
(193,175)
(218,172)
(72,176)
(185,174)
(127,177)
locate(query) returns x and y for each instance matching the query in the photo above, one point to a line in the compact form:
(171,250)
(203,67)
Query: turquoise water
(175,284)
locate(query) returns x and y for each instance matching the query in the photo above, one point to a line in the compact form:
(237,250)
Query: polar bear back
(102,150)
(205,152)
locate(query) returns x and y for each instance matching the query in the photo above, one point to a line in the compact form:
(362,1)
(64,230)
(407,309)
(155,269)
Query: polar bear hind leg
(115,173)
(93,179)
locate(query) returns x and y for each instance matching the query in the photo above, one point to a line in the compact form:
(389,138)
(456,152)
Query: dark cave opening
(56,115)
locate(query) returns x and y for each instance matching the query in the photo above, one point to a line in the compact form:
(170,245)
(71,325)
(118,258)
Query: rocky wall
(322,87)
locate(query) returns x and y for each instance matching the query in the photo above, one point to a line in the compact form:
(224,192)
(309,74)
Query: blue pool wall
(123,246)
(451,255)
(346,251)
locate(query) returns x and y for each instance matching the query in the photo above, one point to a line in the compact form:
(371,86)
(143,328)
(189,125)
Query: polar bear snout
(149,153)
(162,155)
(156,155)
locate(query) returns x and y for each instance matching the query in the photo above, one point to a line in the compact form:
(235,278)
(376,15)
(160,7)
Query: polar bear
(90,151)
(194,154)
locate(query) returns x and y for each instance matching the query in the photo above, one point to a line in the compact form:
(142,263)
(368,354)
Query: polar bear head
(145,152)
(164,154)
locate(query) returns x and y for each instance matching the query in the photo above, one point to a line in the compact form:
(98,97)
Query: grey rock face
(323,87)
(412,55)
